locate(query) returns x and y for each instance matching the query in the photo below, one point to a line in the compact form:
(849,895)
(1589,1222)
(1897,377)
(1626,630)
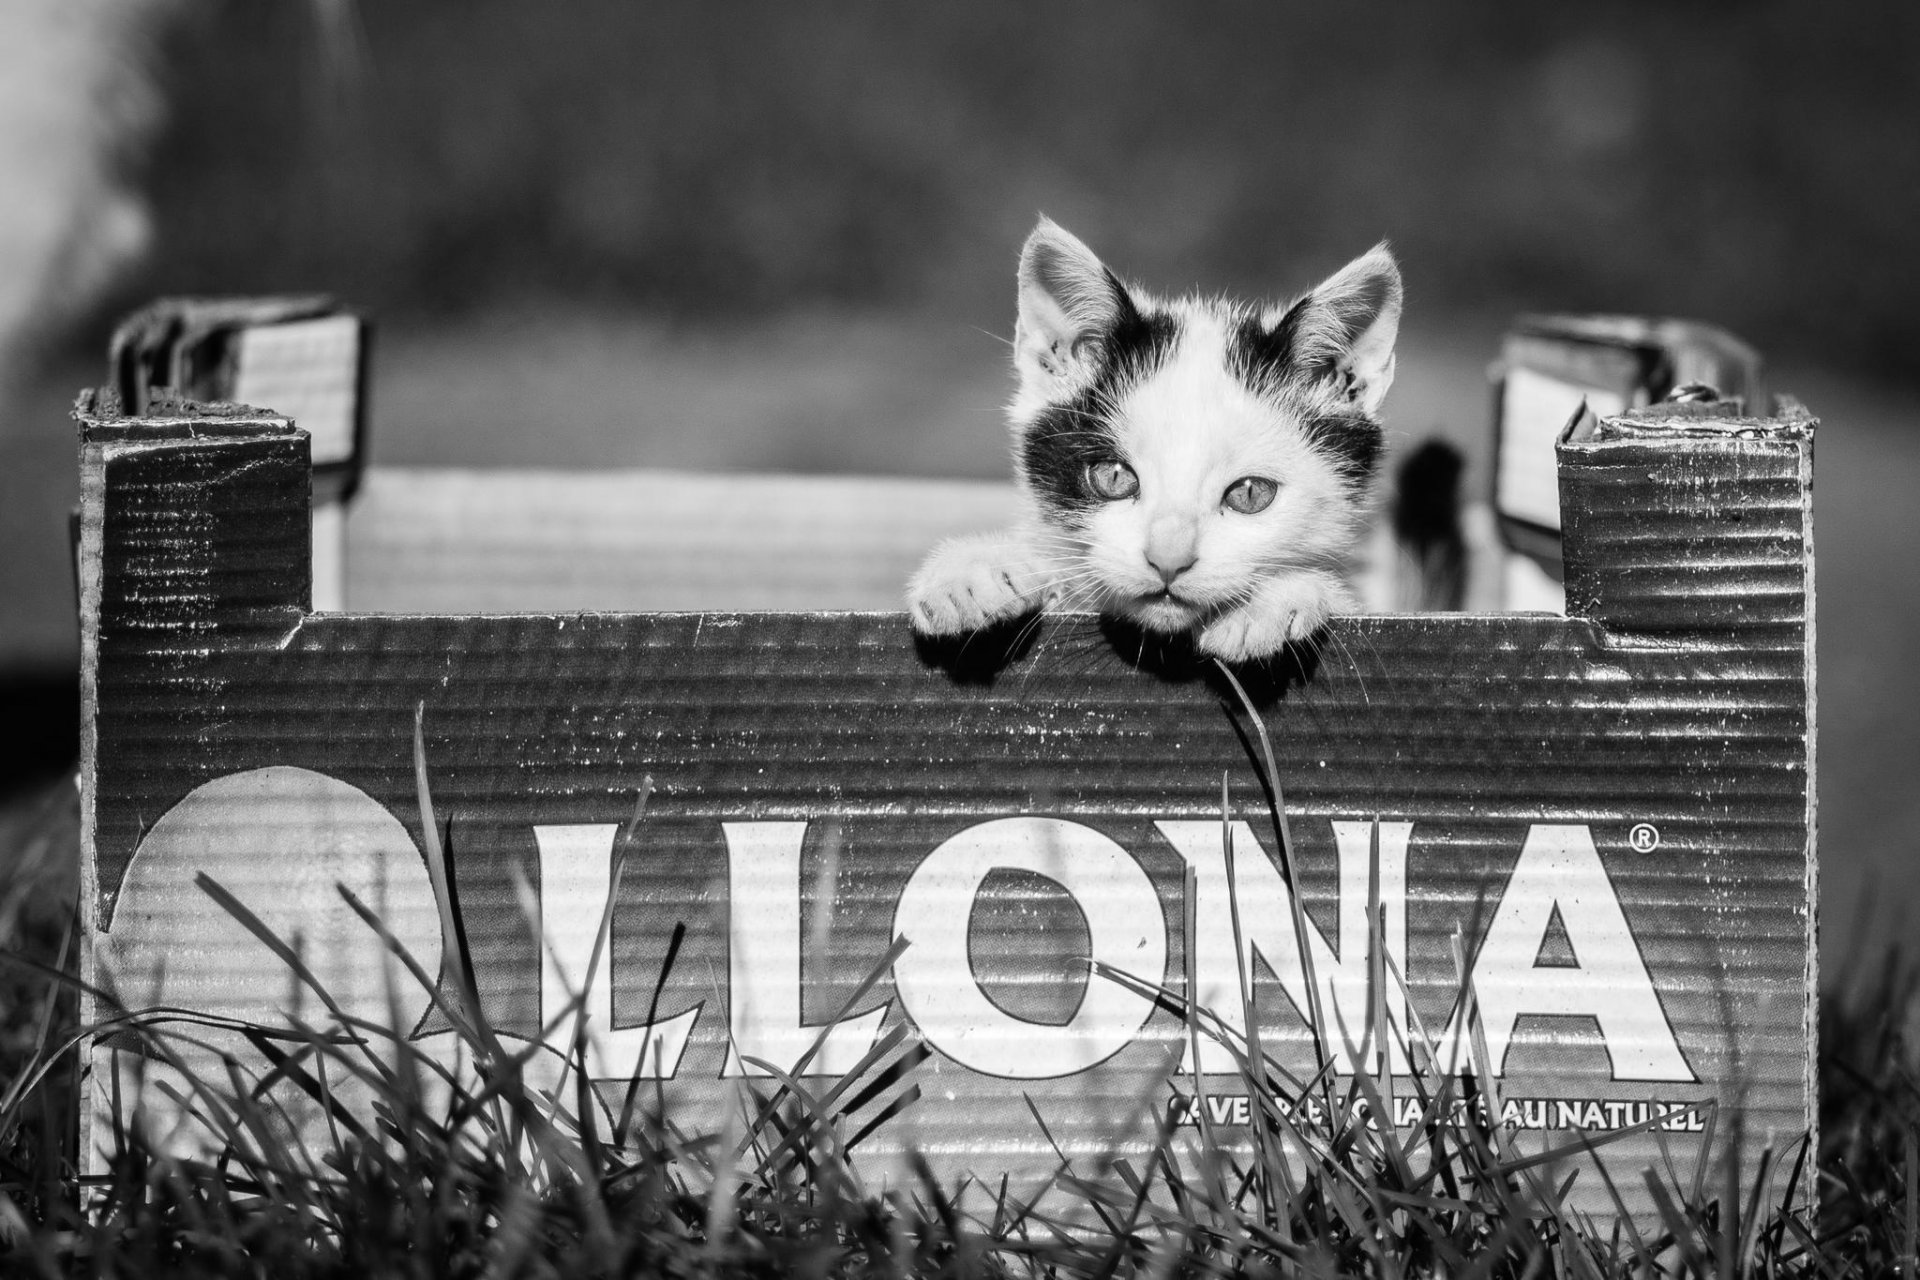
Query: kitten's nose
(1171,568)
(1171,548)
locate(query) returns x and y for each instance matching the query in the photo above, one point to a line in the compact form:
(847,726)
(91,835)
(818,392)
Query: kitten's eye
(1112,480)
(1249,494)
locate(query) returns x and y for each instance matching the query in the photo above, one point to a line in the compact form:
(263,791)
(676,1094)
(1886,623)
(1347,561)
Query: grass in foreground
(489,1174)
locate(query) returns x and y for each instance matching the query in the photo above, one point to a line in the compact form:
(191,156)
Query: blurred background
(780,235)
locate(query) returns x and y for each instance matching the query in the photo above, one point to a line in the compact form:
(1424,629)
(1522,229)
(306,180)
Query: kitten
(1197,466)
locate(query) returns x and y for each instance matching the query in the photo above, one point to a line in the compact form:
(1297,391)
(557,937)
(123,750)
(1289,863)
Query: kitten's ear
(1348,324)
(1069,302)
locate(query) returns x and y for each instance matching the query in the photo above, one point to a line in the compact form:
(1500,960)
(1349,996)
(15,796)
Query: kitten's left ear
(1348,325)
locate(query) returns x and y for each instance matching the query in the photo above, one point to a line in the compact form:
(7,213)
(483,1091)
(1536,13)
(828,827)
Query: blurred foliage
(1750,163)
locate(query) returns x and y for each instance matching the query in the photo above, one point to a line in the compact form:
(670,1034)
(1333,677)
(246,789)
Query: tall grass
(497,1170)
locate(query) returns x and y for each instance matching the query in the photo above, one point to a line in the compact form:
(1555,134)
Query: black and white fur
(1148,433)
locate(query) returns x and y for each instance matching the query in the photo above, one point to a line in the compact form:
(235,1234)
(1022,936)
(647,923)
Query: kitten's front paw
(1283,612)
(969,584)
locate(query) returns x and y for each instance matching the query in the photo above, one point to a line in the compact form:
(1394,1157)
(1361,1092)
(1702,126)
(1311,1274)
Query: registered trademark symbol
(1645,837)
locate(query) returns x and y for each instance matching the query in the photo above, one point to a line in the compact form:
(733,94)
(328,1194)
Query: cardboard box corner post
(301,356)
(1613,808)
(1551,365)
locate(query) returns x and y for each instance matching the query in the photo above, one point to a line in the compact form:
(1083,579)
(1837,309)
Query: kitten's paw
(1281,614)
(969,584)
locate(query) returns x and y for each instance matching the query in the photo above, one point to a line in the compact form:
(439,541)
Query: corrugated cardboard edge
(92,516)
(1792,410)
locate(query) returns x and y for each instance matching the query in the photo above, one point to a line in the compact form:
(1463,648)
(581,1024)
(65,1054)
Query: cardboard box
(1549,366)
(1613,809)
(302,354)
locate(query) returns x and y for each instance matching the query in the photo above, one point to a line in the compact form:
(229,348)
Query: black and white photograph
(1007,639)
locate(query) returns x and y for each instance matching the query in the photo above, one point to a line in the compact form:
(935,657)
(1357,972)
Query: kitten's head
(1180,453)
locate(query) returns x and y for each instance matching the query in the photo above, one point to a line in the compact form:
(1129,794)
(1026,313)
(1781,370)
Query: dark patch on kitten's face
(1352,441)
(1066,438)
(1263,359)
(1260,357)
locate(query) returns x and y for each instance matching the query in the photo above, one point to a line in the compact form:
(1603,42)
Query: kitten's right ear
(1069,302)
